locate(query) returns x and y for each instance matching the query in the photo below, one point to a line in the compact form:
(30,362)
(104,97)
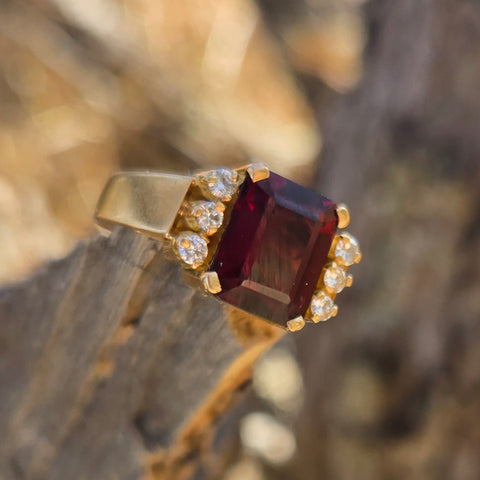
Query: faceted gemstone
(208,215)
(222,183)
(191,248)
(335,278)
(346,249)
(274,248)
(322,306)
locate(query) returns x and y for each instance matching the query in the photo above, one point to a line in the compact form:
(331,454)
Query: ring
(247,236)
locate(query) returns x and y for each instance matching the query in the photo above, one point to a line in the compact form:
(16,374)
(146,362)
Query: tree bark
(113,368)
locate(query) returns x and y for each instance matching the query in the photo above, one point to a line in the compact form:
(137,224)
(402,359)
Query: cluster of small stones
(345,252)
(205,217)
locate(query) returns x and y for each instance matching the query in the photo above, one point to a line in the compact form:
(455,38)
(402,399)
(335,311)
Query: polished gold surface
(147,202)
(296,324)
(258,171)
(343,215)
(210,282)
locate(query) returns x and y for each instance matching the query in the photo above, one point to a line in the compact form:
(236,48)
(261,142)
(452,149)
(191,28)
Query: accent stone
(335,278)
(346,249)
(274,248)
(222,183)
(208,215)
(322,307)
(191,248)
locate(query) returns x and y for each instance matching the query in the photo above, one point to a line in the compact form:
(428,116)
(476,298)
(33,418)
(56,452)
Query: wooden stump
(113,368)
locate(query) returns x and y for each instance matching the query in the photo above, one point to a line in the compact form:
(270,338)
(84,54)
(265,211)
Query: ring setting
(247,236)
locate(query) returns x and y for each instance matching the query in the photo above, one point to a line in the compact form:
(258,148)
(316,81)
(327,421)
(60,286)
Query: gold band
(145,201)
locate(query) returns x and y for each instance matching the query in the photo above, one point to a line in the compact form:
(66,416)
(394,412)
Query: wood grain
(113,368)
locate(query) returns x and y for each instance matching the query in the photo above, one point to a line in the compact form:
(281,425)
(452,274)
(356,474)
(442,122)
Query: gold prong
(349,281)
(211,282)
(204,235)
(186,209)
(334,310)
(358,258)
(331,252)
(328,289)
(258,171)
(296,324)
(343,215)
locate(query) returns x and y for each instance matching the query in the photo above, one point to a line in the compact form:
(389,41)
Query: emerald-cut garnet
(274,248)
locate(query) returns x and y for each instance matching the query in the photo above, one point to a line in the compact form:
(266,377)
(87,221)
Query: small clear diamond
(191,248)
(335,277)
(347,249)
(208,215)
(222,183)
(322,307)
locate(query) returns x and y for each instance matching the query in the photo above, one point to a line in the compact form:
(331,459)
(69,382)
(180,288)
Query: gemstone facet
(222,183)
(191,248)
(322,307)
(208,215)
(347,249)
(274,247)
(335,278)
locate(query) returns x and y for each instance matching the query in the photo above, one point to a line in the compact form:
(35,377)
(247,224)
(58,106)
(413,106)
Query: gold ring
(248,236)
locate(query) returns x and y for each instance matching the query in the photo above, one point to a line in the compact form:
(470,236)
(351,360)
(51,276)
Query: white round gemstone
(208,216)
(347,249)
(222,183)
(191,248)
(322,307)
(335,277)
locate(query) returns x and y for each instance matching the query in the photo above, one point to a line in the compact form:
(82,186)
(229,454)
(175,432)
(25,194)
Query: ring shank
(147,202)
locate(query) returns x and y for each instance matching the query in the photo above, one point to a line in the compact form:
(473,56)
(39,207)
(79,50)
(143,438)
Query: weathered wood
(107,357)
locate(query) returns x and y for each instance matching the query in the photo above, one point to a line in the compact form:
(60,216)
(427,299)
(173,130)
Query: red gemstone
(274,248)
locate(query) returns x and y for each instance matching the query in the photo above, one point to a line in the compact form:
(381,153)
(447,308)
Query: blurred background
(91,87)
(373,103)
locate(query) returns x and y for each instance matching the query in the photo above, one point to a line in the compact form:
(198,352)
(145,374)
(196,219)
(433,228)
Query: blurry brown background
(373,103)
(90,87)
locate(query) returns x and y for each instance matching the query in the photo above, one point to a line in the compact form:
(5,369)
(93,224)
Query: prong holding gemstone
(343,215)
(211,282)
(349,280)
(335,311)
(296,324)
(258,171)
(358,258)
(185,209)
